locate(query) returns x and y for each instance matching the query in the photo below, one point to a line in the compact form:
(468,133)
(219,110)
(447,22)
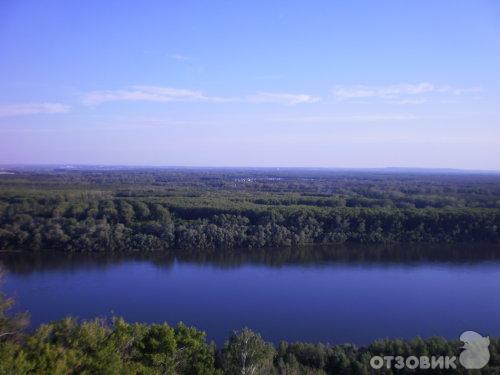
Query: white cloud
(282,98)
(408,101)
(349,118)
(21,109)
(170,94)
(397,91)
(180,57)
(149,94)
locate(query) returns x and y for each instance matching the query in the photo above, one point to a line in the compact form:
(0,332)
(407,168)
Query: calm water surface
(331,294)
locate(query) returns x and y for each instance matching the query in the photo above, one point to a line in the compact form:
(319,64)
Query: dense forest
(117,347)
(99,209)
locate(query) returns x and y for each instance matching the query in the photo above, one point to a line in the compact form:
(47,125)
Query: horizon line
(166,166)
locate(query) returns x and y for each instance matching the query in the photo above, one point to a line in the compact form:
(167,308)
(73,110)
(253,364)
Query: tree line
(153,210)
(138,225)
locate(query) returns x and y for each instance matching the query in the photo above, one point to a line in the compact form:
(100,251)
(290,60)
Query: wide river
(328,294)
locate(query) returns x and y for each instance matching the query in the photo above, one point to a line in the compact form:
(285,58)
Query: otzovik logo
(476,354)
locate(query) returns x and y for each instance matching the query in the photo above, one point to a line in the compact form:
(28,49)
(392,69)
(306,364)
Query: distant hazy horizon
(32,166)
(357,84)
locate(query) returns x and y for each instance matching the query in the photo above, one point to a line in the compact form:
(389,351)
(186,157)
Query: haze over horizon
(261,84)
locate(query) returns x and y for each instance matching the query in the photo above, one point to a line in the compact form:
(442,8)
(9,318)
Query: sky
(349,84)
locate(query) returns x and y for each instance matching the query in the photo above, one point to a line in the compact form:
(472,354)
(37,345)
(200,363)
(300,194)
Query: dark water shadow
(28,262)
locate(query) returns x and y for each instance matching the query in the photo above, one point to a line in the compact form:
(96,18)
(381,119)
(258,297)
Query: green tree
(11,325)
(246,353)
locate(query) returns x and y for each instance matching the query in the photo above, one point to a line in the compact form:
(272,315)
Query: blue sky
(251,83)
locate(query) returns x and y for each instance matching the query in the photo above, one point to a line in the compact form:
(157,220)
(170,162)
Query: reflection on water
(331,294)
(26,262)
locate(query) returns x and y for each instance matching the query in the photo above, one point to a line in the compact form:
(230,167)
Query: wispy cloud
(22,109)
(401,90)
(350,118)
(170,94)
(408,101)
(282,98)
(180,57)
(149,94)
